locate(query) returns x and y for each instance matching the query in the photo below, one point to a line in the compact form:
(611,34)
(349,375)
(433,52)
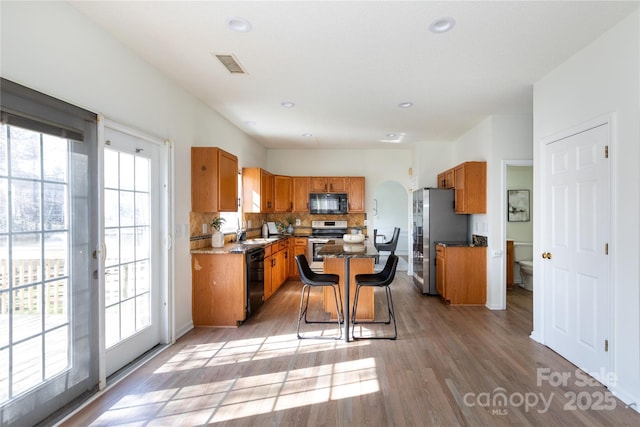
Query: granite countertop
(244,246)
(336,248)
(459,244)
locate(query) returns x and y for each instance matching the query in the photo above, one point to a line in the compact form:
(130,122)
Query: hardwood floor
(450,366)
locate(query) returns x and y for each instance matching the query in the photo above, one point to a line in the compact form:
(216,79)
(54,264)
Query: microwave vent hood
(328,203)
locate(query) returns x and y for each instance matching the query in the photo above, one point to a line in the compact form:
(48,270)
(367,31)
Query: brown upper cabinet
(300,195)
(257,190)
(356,194)
(214,180)
(282,193)
(469,180)
(328,184)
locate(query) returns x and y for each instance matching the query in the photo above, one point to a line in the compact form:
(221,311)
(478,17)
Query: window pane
(56,303)
(142,277)
(142,243)
(127,281)
(56,351)
(54,153)
(111,208)
(4,205)
(142,174)
(4,375)
(26,259)
(25,153)
(127,245)
(143,311)
(142,208)
(110,169)
(128,318)
(25,207)
(126,172)
(112,287)
(27,317)
(112,243)
(54,207)
(112,320)
(127,212)
(4,265)
(55,249)
(27,364)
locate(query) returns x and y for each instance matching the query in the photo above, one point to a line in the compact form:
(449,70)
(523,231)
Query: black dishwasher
(255,279)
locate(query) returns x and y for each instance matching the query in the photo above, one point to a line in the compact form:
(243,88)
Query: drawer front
(282,244)
(267,250)
(300,241)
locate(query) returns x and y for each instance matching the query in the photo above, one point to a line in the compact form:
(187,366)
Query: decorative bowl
(353,238)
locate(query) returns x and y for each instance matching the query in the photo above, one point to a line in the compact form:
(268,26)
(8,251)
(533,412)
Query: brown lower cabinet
(461,274)
(219,292)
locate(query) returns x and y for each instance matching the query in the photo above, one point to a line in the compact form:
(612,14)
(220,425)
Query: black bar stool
(310,279)
(381,280)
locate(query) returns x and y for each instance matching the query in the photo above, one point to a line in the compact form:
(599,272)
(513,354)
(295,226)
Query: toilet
(526,272)
(523,252)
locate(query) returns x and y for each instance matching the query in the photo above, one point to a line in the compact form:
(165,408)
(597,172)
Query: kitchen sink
(259,241)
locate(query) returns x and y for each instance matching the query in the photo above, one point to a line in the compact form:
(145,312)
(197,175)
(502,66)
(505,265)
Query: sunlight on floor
(244,396)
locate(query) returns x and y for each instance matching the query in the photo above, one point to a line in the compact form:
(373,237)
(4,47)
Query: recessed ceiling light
(250,123)
(442,25)
(405,105)
(287,104)
(307,135)
(391,135)
(239,24)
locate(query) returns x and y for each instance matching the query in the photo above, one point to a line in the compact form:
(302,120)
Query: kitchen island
(347,260)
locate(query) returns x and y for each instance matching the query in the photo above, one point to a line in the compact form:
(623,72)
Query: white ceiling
(347,65)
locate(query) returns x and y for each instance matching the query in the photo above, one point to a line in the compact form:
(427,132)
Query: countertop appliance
(434,220)
(328,203)
(321,233)
(254,279)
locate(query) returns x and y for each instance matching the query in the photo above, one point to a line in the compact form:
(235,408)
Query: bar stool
(309,280)
(381,280)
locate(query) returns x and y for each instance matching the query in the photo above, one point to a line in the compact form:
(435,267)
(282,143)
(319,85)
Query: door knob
(546,255)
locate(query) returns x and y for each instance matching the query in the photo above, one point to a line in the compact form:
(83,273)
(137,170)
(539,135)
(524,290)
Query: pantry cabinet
(257,191)
(214,180)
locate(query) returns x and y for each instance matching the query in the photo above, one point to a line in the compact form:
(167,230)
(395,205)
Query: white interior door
(134,192)
(576,194)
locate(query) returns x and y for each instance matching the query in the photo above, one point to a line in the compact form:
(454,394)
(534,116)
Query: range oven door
(316,261)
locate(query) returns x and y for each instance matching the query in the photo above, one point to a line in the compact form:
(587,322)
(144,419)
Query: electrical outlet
(298,222)
(204,228)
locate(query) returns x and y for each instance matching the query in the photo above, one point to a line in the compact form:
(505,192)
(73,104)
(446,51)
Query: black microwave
(328,203)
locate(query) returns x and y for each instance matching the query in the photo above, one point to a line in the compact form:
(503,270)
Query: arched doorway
(391,209)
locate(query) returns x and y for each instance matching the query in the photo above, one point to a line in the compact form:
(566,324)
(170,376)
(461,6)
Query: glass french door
(47,325)
(134,282)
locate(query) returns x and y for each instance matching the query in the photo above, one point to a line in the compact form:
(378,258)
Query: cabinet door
(298,249)
(459,178)
(300,194)
(356,194)
(214,180)
(318,184)
(282,193)
(228,182)
(441,273)
(266,191)
(337,184)
(268,268)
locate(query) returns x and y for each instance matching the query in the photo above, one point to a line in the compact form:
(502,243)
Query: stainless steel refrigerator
(434,220)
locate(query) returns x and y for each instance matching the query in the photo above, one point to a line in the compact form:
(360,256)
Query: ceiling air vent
(230,64)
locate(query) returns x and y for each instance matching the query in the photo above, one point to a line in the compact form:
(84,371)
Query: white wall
(600,79)
(50,47)
(495,139)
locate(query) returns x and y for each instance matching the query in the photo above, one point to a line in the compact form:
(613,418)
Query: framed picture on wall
(518,205)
